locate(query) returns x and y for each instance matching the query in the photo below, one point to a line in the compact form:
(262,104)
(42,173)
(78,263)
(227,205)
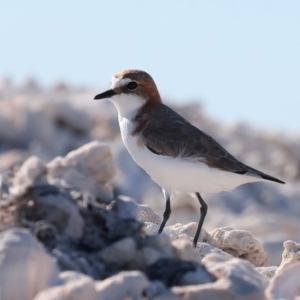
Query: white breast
(178,174)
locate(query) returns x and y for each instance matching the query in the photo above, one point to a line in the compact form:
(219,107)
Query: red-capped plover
(177,155)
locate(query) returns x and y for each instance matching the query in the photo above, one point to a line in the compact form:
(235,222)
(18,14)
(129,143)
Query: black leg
(203,211)
(167,212)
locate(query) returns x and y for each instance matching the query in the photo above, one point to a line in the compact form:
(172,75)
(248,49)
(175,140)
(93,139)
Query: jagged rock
(89,168)
(239,243)
(75,286)
(125,284)
(25,267)
(286,283)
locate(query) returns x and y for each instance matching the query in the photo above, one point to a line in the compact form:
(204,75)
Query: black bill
(106,94)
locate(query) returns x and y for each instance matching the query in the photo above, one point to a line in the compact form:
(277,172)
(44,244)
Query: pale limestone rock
(89,168)
(285,284)
(25,267)
(130,284)
(76,287)
(239,243)
(290,255)
(120,252)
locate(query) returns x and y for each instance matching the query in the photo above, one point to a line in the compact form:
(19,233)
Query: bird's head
(130,90)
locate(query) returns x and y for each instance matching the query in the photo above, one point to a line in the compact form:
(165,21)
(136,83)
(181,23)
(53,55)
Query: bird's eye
(131,86)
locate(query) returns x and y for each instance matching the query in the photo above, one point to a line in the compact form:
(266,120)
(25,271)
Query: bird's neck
(128,106)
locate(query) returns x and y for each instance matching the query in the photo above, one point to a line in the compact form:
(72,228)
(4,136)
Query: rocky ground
(67,231)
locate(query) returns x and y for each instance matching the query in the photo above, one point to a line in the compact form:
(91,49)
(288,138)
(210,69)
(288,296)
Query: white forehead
(117,82)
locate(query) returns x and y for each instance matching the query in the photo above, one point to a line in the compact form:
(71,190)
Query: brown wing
(169,134)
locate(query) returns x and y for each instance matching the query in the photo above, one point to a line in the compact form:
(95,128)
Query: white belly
(178,174)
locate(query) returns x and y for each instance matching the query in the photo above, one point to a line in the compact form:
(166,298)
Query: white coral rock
(239,243)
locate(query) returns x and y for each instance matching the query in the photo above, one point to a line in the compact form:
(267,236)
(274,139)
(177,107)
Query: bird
(178,156)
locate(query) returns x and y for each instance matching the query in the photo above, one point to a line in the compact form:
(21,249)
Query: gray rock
(199,276)
(167,295)
(155,289)
(172,271)
(125,284)
(25,267)
(120,252)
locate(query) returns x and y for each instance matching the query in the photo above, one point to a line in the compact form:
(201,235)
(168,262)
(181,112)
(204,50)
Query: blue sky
(239,58)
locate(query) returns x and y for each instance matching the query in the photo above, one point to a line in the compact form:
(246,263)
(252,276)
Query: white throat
(127,105)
